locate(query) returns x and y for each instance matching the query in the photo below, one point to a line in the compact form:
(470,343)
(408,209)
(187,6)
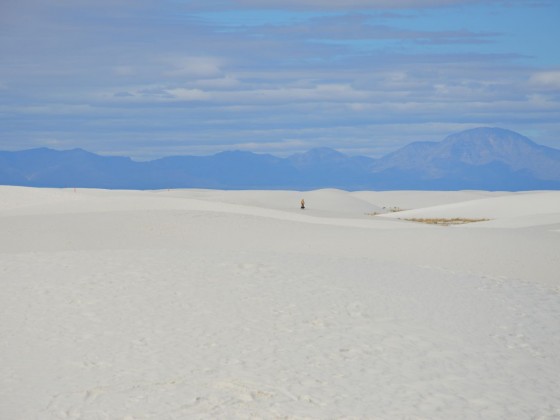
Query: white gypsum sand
(237,304)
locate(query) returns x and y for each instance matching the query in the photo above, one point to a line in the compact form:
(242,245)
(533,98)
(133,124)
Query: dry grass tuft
(447,222)
(387,209)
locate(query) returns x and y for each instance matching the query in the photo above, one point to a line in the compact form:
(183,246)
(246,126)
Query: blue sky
(147,78)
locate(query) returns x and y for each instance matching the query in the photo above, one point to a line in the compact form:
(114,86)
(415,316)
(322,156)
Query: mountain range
(481,158)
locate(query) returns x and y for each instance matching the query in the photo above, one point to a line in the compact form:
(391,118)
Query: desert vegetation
(446,221)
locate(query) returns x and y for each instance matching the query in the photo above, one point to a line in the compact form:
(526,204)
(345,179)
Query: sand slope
(237,304)
(535,208)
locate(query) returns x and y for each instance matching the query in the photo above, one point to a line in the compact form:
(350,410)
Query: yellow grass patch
(446,221)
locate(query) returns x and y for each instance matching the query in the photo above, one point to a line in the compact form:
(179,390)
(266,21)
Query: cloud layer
(150,79)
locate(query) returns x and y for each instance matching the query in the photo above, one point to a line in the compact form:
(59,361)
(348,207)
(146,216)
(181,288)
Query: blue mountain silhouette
(481,158)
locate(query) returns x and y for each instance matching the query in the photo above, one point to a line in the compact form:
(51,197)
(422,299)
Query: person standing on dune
(302,204)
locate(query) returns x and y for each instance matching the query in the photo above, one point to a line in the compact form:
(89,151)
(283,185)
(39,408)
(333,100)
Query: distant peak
(324,149)
(234,153)
(79,150)
(322,152)
(487,134)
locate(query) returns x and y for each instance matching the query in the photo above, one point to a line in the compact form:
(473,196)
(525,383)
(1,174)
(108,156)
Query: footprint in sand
(93,394)
(356,310)
(244,391)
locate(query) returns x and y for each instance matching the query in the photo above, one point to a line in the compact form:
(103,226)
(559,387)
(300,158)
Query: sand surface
(237,304)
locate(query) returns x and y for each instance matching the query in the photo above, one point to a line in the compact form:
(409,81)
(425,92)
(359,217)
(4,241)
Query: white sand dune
(513,210)
(406,200)
(237,304)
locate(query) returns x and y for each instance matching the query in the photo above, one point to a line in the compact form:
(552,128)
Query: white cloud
(324,92)
(334,4)
(155,95)
(124,71)
(183,94)
(226,82)
(193,66)
(546,78)
(542,102)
